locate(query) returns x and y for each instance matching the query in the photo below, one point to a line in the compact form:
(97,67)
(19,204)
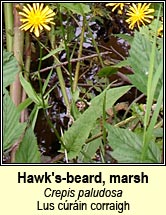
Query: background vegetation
(89,90)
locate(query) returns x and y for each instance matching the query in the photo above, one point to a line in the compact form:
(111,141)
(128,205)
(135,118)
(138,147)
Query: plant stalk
(150,97)
(59,71)
(79,56)
(8,13)
(15,88)
(24,113)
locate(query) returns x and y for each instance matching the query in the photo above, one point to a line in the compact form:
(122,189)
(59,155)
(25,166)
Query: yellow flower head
(36,18)
(139,14)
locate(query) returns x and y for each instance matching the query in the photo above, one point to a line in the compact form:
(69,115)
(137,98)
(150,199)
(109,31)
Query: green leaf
(107,70)
(36,98)
(90,148)
(53,52)
(28,151)
(47,81)
(33,116)
(77,134)
(154,153)
(74,110)
(153,120)
(121,64)
(139,60)
(127,146)
(24,104)
(78,8)
(158,132)
(30,91)
(10,68)
(126,37)
(12,129)
(151,87)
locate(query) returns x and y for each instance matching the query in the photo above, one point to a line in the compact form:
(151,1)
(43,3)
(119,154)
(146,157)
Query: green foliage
(24,104)
(10,68)
(146,60)
(12,128)
(28,151)
(74,110)
(76,135)
(153,80)
(149,126)
(121,64)
(36,98)
(157,7)
(107,70)
(127,146)
(40,100)
(144,143)
(53,52)
(126,37)
(89,149)
(139,60)
(78,8)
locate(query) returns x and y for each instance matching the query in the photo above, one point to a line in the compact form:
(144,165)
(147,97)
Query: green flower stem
(59,71)
(151,87)
(62,85)
(65,43)
(154,116)
(15,88)
(104,120)
(42,96)
(63,88)
(8,13)
(95,45)
(75,82)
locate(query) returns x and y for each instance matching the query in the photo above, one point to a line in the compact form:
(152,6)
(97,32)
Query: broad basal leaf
(10,68)
(28,151)
(12,129)
(127,146)
(139,60)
